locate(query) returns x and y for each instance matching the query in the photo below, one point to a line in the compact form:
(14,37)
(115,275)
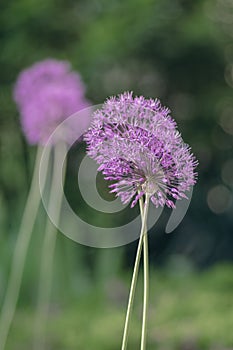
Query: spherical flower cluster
(138,147)
(46,94)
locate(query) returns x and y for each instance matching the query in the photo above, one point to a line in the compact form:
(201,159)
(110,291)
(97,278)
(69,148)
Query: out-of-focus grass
(187,311)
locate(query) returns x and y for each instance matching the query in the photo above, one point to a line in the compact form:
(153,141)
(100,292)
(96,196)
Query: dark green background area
(178,51)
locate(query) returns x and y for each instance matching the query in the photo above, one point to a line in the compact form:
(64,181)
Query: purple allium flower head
(137,145)
(46,94)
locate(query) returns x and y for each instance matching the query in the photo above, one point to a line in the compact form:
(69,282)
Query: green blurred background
(180,51)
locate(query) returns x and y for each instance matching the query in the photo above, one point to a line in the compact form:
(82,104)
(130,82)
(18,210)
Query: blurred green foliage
(180,51)
(187,312)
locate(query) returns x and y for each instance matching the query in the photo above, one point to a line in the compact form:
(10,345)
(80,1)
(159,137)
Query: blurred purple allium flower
(46,94)
(137,145)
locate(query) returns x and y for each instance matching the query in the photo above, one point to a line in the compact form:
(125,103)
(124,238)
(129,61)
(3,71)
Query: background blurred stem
(146,283)
(103,270)
(144,213)
(48,248)
(19,257)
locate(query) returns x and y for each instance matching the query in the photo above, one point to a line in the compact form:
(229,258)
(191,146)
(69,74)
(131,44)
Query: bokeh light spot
(219,199)
(226,120)
(227,172)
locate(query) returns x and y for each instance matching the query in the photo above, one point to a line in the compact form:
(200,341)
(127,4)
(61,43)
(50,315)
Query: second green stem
(145,290)
(144,213)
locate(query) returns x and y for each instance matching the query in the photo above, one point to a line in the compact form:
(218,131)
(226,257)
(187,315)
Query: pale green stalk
(144,213)
(48,249)
(146,286)
(20,252)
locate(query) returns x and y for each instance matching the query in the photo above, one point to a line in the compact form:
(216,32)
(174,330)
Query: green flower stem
(144,213)
(20,252)
(48,249)
(146,287)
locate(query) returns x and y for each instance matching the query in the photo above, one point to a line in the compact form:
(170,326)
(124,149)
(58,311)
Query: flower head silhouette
(47,93)
(137,145)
